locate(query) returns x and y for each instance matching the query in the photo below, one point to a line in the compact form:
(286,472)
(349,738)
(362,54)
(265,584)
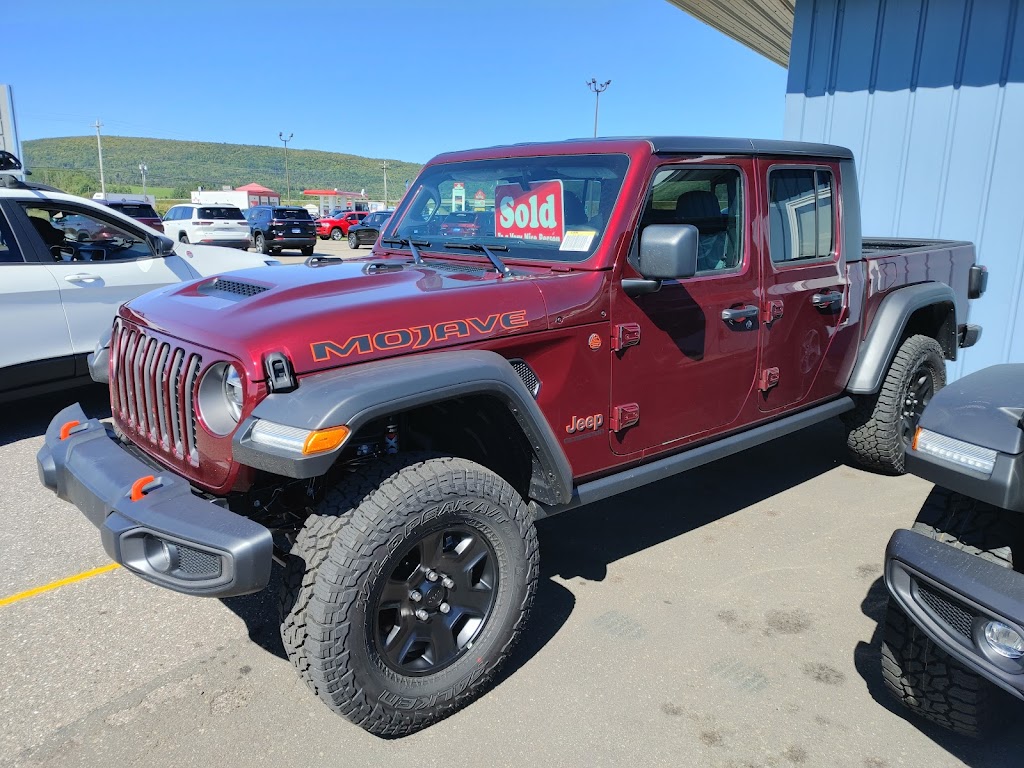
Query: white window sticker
(577,240)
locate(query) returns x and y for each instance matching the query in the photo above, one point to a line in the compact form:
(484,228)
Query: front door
(692,367)
(805,288)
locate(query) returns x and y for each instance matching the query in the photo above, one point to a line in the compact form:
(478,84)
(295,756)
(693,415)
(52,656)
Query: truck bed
(877,247)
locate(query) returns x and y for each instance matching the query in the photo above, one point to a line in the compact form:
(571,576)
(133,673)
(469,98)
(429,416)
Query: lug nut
(415,596)
(422,615)
(448,583)
(432,576)
(444,607)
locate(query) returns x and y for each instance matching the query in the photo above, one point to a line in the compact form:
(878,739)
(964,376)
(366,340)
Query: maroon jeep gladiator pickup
(389,428)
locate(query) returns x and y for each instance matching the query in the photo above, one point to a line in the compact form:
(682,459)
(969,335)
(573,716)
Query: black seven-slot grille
(152,390)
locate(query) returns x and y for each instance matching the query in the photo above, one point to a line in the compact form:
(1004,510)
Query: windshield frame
(595,254)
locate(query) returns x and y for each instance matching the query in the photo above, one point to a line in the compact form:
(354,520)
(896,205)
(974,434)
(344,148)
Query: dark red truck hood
(338,314)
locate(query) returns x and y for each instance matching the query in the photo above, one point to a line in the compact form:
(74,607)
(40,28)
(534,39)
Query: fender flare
(359,394)
(883,338)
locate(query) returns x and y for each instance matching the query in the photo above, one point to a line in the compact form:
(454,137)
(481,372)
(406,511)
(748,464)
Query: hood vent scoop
(223,285)
(467,269)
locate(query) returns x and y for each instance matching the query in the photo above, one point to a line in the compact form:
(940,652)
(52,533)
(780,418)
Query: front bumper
(167,535)
(950,595)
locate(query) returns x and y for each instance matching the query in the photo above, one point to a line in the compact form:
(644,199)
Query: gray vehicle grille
(153,386)
(949,611)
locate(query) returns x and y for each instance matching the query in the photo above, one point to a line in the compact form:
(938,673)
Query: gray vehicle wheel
(337,234)
(353,241)
(261,243)
(881,426)
(922,676)
(421,596)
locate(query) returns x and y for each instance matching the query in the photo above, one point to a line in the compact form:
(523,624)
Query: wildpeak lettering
(419,336)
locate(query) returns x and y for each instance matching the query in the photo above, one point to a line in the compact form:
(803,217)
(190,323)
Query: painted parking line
(59,583)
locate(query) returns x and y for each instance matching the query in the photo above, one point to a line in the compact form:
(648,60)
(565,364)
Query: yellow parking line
(59,583)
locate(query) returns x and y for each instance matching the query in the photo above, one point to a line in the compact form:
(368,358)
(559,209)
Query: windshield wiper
(499,265)
(414,246)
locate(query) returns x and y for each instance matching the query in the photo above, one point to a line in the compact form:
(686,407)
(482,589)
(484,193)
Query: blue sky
(391,78)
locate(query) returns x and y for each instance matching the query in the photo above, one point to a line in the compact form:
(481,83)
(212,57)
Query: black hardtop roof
(690,145)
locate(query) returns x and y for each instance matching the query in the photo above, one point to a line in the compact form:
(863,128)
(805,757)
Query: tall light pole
(384,167)
(143,168)
(287,178)
(99,146)
(597,89)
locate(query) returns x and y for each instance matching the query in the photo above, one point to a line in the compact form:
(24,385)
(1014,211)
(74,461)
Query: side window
(711,199)
(800,214)
(172,214)
(70,234)
(9,251)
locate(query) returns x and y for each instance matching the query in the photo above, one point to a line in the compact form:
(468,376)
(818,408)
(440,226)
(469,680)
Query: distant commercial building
(930,97)
(241,197)
(338,200)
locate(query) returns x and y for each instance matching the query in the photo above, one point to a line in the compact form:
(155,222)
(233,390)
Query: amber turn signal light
(321,440)
(917,434)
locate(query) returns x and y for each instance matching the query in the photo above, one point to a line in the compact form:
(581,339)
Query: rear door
(35,343)
(681,367)
(806,295)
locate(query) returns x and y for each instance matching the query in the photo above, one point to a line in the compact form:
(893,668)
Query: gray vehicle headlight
(220,398)
(955,451)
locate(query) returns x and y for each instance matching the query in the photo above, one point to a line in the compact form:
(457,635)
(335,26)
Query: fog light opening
(1004,640)
(162,556)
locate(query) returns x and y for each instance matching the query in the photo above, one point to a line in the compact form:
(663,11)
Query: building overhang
(765,26)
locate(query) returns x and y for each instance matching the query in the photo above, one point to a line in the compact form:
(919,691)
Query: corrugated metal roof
(766,26)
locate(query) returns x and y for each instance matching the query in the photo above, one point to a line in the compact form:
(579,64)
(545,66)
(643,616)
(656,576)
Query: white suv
(66,265)
(208,224)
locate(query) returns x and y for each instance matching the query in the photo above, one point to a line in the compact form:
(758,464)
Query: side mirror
(164,246)
(669,251)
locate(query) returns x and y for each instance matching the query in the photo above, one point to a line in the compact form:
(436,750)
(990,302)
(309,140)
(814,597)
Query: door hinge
(773,311)
(769,378)
(625,335)
(624,416)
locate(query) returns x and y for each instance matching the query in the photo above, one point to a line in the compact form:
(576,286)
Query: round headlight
(220,398)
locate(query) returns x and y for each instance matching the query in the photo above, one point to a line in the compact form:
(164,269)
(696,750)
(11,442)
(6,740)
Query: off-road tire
(337,234)
(346,669)
(310,548)
(922,676)
(353,242)
(874,428)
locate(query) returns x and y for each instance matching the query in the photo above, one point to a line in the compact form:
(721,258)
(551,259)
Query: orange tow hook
(66,429)
(138,485)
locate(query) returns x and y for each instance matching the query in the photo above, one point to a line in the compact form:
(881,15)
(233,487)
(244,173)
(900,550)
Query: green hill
(180,166)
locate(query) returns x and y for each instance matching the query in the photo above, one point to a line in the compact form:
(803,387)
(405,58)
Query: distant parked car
(336,225)
(208,224)
(468,224)
(277,227)
(68,263)
(368,230)
(143,212)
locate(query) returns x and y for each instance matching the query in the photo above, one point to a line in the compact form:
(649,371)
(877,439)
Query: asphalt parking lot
(727,617)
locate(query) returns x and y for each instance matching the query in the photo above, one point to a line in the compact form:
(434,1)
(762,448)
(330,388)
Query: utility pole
(384,167)
(99,146)
(143,168)
(287,178)
(597,89)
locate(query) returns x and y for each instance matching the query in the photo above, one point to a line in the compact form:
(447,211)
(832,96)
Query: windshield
(292,213)
(551,208)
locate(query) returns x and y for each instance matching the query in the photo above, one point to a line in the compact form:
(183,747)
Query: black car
(367,231)
(277,227)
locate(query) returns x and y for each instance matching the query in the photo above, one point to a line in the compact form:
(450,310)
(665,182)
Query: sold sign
(530,214)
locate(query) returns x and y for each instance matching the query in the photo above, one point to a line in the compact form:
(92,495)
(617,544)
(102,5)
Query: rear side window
(292,214)
(800,214)
(136,210)
(9,251)
(221,212)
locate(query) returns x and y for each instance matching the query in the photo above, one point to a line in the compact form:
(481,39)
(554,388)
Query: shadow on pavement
(28,418)
(1002,747)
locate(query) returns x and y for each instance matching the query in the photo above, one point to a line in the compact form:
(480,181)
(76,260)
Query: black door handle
(826,299)
(740,313)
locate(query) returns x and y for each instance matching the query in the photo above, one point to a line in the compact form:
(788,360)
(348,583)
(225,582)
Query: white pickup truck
(66,265)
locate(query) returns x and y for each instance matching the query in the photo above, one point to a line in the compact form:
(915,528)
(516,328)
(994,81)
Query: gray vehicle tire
(433,499)
(353,241)
(875,429)
(260,242)
(922,676)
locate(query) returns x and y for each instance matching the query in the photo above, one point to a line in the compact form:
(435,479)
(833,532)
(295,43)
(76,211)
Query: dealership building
(929,96)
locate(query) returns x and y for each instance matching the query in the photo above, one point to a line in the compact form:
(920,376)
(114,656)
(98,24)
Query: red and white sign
(533,214)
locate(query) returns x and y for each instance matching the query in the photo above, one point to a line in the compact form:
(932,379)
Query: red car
(336,225)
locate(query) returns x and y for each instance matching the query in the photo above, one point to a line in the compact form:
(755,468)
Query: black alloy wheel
(436,600)
(919,393)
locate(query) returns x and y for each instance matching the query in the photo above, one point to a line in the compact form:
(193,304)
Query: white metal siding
(929,95)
